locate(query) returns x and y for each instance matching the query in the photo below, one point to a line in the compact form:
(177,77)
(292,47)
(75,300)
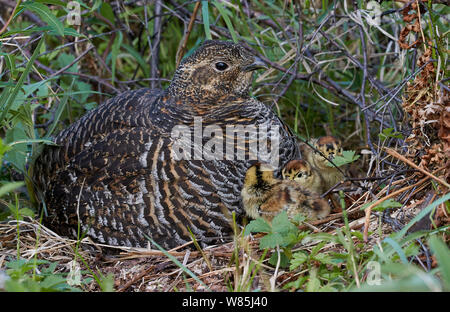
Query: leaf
(9,187)
(389,203)
(298,259)
(282,225)
(389,133)
(258,225)
(205,16)
(313,284)
(138,57)
(107,12)
(284,260)
(5,101)
(397,248)
(347,157)
(50,282)
(55,2)
(324,258)
(18,154)
(226,18)
(114,53)
(47,16)
(299,218)
(399,235)
(442,254)
(3,149)
(271,240)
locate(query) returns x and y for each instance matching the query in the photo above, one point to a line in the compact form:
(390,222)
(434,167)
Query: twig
(155,48)
(10,18)
(376,203)
(136,278)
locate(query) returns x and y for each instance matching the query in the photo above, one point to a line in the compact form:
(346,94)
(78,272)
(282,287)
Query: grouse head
(298,170)
(330,147)
(217,70)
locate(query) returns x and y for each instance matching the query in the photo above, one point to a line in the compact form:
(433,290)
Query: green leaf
(9,187)
(138,57)
(18,153)
(47,16)
(284,260)
(107,12)
(442,254)
(205,16)
(5,101)
(54,2)
(114,52)
(324,258)
(226,18)
(299,218)
(313,284)
(271,240)
(389,203)
(281,224)
(389,133)
(397,248)
(347,157)
(3,149)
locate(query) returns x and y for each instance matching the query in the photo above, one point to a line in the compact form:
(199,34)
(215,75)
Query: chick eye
(221,66)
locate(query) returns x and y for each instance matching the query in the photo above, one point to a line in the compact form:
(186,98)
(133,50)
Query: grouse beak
(257,64)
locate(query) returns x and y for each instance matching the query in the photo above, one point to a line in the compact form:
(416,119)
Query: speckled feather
(114,172)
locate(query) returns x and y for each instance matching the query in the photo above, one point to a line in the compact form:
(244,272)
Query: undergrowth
(343,68)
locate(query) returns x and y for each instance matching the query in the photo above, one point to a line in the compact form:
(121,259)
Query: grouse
(164,163)
(265,196)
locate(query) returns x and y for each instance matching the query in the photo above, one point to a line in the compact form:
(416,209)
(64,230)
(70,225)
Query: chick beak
(257,64)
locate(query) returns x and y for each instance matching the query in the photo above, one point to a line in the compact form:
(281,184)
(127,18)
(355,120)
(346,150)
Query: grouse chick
(265,196)
(330,147)
(138,166)
(301,172)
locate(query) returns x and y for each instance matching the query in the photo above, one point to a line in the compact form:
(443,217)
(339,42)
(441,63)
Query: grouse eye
(221,66)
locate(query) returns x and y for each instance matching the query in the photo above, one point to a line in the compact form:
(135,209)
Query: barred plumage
(114,171)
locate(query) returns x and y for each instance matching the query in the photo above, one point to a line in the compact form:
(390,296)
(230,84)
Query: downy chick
(330,147)
(265,196)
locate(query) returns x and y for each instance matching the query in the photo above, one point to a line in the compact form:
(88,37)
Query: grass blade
(227,20)
(399,235)
(178,263)
(46,15)
(205,16)
(442,254)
